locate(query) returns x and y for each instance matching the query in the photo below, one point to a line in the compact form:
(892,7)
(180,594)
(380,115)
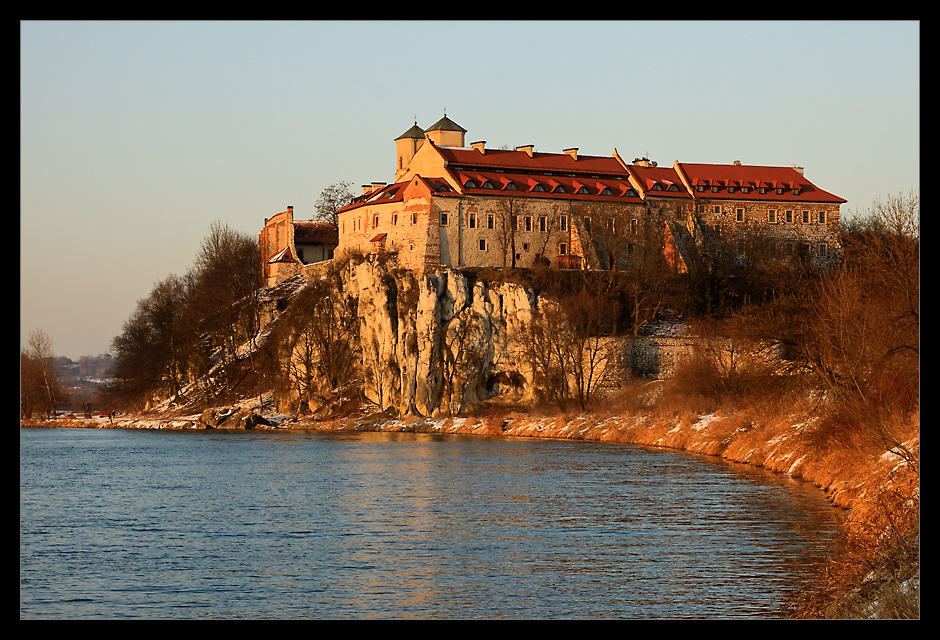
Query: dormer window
(538,187)
(583,190)
(656,187)
(796,191)
(673,187)
(605,192)
(762,189)
(715,189)
(511,186)
(744,189)
(487,185)
(470,184)
(779,191)
(558,189)
(730,189)
(700,188)
(631,193)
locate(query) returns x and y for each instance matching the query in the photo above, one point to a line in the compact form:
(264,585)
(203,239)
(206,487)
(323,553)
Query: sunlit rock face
(439,343)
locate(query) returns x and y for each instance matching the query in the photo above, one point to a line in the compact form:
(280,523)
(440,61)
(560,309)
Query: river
(128,524)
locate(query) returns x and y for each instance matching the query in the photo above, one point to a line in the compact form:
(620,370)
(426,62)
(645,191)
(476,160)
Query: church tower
(446,133)
(406,145)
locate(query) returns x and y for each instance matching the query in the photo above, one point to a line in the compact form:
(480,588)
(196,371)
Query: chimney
(799,170)
(527,148)
(573,152)
(479,146)
(366,188)
(644,162)
(378,185)
(737,163)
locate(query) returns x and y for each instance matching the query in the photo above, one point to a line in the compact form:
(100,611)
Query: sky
(136,136)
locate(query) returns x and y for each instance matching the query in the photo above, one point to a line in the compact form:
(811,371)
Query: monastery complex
(454,205)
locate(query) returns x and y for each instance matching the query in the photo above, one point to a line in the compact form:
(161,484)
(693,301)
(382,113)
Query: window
(525,246)
(715,189)
(472,220)
(701,208)
(762,190)
(744,189)
(633,226)
(796,192)
(610,225)
(700,188)
(528,223)
(563,249)
(564,223)
(482,244)
(543,223)
(395,219)
(822,217)
(587,224)
(515,223)
(740,248)
(822,249)
(657,187)
(487,185)
(538,187)
(558,189)
(489,221)
(470,184)
(583,190)
(510,186)
(779,191)
(673,187)
(717,208)
(730,189)
(806,217)
(772,216)
(414,217)
(443,218)
(605,192)
(739,214)
(375,221)
(789,217)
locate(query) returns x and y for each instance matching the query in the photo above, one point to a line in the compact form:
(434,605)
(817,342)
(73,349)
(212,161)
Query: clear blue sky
(136,136)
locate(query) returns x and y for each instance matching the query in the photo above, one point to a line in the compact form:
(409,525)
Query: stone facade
(457,206)
(287,245)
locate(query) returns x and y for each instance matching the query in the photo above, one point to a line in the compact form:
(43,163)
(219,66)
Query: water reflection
(149,524)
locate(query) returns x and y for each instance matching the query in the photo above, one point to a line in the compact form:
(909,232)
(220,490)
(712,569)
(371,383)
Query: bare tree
(42,372)
(332,199)
(509,210)
(322,347)
(568,352)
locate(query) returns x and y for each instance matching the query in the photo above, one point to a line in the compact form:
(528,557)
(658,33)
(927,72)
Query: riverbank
(878,489)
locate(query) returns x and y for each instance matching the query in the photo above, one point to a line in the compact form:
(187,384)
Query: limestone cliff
(438,343)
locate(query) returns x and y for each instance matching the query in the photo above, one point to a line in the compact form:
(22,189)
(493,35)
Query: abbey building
(458,205)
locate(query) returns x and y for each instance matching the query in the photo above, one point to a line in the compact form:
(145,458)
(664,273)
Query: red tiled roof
(283,256)
(519,161)
(665,177)
(315,232)
(542,186)
(755,177)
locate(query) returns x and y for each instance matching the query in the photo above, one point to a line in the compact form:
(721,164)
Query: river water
(122,524)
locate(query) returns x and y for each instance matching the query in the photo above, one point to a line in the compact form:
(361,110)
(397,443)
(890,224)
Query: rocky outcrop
(441,342)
